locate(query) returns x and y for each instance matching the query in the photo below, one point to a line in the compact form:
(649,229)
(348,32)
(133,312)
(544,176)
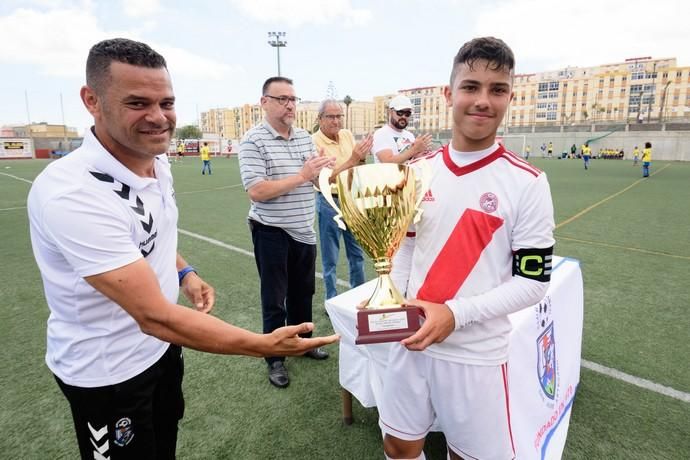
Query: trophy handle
(424,171)
(325,188)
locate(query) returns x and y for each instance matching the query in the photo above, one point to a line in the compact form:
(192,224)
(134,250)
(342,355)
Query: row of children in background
(604,153)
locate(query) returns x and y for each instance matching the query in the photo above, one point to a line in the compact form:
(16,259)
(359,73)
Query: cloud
(295,13)
(141,8)
(588,32)
(59,43)
(189,64)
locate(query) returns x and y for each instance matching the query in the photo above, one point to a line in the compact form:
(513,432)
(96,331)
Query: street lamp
(277,40)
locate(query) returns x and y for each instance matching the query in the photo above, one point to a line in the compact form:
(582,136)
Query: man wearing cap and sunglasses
(393,143)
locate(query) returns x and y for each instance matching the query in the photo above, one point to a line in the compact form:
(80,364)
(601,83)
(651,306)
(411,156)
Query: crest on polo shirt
(123,432)
(146,238)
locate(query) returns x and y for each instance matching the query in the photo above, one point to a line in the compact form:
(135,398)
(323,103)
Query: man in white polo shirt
(103,224)
(392,142)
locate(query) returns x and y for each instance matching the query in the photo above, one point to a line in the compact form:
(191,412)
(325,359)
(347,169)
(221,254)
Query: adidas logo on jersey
(428,196)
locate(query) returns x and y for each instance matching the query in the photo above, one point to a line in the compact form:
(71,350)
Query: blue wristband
(182,273)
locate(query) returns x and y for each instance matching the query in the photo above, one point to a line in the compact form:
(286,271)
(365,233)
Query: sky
(218,53)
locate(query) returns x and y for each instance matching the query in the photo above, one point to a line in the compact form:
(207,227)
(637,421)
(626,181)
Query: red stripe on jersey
(459,255)
(527,167)
(517,158)
(504,371)
(460,170)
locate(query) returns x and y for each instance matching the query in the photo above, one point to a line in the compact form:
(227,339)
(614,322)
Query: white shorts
(468,403)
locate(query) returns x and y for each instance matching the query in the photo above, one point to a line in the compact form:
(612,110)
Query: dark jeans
(286,269)
(134,419)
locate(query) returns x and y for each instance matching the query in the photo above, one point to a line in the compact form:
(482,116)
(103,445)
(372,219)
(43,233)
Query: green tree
(188,132)
(347,101)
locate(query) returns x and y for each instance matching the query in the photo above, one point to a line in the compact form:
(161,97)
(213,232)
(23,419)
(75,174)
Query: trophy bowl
(378,202)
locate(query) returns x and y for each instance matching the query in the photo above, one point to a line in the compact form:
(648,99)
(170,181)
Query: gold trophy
(378,202)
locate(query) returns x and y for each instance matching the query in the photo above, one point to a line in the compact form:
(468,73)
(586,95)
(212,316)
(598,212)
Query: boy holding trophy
(481,250)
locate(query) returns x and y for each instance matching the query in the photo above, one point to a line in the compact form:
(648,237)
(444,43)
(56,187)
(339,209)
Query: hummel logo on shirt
(138,208)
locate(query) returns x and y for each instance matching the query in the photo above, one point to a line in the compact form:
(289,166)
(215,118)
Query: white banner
(15,148)
(544,361)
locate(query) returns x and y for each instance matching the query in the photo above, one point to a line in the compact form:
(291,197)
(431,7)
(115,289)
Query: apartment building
(636,90)
(232,123)
(43,130)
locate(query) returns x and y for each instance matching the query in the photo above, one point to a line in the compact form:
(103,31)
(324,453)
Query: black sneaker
(278,374)
(317,353)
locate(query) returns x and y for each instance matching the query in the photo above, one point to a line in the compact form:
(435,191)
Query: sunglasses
(403,113)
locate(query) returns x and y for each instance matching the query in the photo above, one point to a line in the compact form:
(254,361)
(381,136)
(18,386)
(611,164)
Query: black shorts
(134,419)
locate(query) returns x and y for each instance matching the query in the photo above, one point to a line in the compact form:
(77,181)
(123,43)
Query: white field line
(637,381)
(243,251)
(12,209)
(17,177)
(209,189)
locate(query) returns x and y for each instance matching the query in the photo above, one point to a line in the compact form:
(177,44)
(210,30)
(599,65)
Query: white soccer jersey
(474,217)
(88,215)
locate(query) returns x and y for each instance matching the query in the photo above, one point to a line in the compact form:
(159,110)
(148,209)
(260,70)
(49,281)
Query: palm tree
(347,101)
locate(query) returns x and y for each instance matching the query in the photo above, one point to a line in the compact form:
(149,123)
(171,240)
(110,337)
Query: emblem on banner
(546,361)
(543,312)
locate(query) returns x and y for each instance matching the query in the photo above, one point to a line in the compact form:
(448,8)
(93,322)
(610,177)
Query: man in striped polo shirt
(279,165)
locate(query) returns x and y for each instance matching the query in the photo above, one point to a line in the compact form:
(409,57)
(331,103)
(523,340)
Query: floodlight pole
(277,40)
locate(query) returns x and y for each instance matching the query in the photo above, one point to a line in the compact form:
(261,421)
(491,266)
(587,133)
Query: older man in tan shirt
(334,141)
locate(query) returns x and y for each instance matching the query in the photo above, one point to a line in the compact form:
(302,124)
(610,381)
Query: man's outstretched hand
(285,341)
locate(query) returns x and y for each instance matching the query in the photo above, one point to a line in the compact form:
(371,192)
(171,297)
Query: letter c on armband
(533,263)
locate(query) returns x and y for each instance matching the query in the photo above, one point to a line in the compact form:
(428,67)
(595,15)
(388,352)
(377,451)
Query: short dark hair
(268,82)
(648,145)
(119,50)
(493,50)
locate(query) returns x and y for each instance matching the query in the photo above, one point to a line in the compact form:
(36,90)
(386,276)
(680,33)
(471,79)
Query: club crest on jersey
(123,432)
(488,202)
(546,361)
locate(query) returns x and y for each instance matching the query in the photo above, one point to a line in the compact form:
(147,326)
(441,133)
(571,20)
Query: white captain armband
(533,263)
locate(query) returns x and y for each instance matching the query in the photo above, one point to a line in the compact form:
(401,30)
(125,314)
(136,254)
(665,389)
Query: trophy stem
(383,265)
(385,295)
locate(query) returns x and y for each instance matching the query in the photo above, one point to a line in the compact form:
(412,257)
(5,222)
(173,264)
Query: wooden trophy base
(387,324)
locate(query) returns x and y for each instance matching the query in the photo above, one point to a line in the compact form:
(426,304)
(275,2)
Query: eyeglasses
(333,117)
(283,100)
(403,113)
